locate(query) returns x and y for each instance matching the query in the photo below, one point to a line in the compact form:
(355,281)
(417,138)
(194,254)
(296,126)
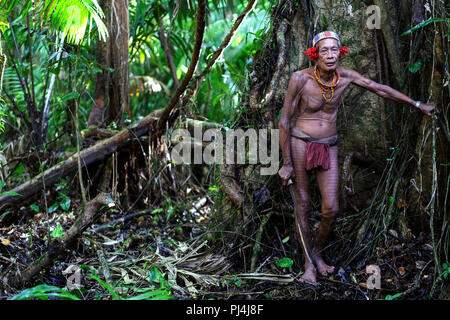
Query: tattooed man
(310,145)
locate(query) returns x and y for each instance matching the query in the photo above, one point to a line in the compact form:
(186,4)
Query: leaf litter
(145,255)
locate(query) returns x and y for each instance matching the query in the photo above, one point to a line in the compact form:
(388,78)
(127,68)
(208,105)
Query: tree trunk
(385,133)
(112,98)
(291,36)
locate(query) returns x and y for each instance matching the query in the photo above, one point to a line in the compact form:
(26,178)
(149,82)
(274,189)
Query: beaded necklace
(327,87)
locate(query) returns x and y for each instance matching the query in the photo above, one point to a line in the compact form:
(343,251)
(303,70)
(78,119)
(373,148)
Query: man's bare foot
(309,276)
(323,268)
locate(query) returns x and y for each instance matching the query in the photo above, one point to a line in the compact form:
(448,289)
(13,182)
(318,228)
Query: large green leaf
(70,17)
(43,292)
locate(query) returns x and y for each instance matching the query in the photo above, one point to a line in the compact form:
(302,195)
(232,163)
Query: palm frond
(70,17)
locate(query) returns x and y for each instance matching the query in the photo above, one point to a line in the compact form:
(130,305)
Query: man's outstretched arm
(386,91)
(290,102)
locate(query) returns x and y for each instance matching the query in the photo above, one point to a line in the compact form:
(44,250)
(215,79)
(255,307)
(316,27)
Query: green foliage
(324,22)
(152,295)
(69,17)
(48,69)
(170,209)
(393,297)
(43,292)
(425,23)
(414,67)
(285,262)
(158,210)
(63,201)
(33,50)
(235,281)
(163,293)
(58,232)
(445,270)
(114,295)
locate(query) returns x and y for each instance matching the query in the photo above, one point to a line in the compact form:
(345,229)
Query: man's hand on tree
(428,109)
(286,172)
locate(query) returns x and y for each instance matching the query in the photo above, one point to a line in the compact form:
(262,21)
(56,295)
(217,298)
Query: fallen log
(99,151)
(57,248)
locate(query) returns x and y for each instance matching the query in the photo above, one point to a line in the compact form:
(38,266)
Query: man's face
(328,54)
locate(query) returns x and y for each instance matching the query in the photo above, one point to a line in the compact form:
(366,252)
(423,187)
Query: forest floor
(146,255)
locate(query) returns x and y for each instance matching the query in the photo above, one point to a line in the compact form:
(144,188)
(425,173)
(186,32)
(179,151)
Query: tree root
(353,158)
(230,185)
(257,245)
(281,62)
(357,159)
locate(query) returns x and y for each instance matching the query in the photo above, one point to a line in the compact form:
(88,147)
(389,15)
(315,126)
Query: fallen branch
(122,220)
(99,151)
(57,248)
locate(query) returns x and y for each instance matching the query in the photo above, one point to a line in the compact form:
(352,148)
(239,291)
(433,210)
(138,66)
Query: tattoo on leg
(328,181)
(301,189)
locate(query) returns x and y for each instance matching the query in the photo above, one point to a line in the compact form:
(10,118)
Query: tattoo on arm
(381,90)
(291,99)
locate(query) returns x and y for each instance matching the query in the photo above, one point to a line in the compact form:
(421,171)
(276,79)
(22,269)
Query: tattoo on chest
(313,104)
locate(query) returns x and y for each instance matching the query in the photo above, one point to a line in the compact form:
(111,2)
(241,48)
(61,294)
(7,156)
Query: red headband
(313,53)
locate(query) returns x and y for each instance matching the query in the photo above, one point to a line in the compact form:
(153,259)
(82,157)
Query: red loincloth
(317,154)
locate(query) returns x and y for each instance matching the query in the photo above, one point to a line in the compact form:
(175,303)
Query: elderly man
(310,145)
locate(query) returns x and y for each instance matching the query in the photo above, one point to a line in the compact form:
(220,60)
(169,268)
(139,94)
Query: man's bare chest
(315,99)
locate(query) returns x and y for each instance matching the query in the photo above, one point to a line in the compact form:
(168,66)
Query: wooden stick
(58,247)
